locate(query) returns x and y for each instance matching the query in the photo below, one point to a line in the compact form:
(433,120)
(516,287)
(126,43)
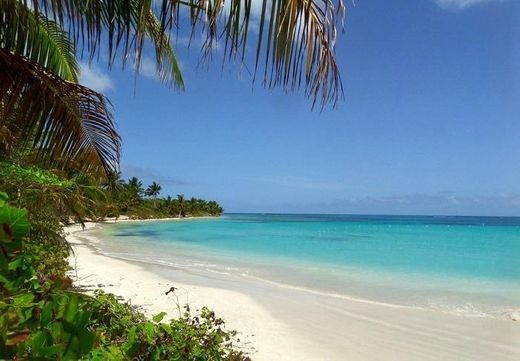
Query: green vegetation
(41,317)
(129,198)
(82,197)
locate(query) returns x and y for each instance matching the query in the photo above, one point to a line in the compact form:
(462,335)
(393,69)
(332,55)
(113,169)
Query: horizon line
(370,214)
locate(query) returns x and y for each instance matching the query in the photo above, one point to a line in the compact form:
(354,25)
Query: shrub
(42,318)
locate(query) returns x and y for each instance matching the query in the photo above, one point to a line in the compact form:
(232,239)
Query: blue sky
(429,124)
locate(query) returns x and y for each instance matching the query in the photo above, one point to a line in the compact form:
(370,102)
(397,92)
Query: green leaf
(149,331)
(46,315)
(57,332)
(86,341)
(23,300)
(72,350)
(159,317)
(71,308)
(53,350)
(38,343)
(3,199)
(132,336)
(14,223)
(82,318)
(4,280)
(18,262)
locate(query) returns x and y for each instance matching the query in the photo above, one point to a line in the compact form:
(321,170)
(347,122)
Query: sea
(464,265)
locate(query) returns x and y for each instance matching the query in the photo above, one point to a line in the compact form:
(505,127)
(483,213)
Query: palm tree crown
(135,186)
(153,190)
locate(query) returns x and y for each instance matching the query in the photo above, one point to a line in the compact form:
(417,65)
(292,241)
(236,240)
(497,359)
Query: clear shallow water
(467,265)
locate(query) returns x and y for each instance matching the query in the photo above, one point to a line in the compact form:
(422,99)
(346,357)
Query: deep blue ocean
(469,265)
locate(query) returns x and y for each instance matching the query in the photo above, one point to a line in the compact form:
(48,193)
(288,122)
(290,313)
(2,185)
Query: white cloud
(459,4)
(148,68)
(256,7)
(93,77)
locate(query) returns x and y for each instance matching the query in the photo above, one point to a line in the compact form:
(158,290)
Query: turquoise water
(469,265)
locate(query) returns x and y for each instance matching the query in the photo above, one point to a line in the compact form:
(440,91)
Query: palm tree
(192,206)
(168,205)
(214,208)
(153,190)
(42,107)
(113,183)
(135,186)
(180,201)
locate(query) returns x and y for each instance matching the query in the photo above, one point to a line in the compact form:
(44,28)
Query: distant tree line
(81,197)
(133,199)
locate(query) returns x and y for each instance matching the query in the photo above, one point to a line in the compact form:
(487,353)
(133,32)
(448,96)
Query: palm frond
(37,38)
(64,121)
(167,64)
(295,43)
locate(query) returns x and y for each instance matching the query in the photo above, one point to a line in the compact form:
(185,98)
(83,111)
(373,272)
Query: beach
(141,287)
(284,323)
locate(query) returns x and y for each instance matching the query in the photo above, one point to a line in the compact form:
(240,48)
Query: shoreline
(292,325)
(128,219)
(135,284)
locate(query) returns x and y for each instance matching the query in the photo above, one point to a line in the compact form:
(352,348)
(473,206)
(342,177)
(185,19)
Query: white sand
(259,332)
(282,324)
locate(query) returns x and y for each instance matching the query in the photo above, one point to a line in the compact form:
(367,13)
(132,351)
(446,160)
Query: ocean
(464,265)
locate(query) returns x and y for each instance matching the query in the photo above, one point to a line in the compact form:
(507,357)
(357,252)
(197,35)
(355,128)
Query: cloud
(93,77)
(512,199)
(148,68)
(460,4)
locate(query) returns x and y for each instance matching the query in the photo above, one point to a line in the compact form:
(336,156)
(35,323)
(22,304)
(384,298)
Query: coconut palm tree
(167,205)
(42,107)
(135,186)
(194,206)
(153,190)
(113,183)
(181,204)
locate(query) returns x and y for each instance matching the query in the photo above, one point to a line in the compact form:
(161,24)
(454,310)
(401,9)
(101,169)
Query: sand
(277,323)
(134,283)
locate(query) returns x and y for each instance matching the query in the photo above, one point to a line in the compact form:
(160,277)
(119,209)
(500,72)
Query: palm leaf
(167,64)
(64,121)
(37,38)
(296,50)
